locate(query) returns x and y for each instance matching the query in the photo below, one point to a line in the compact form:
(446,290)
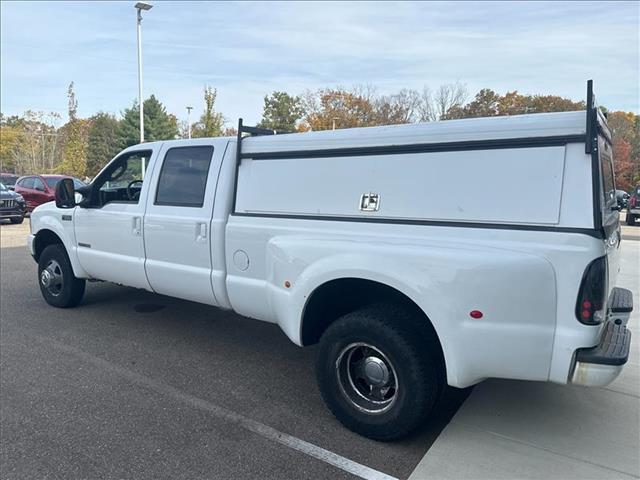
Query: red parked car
(39,189)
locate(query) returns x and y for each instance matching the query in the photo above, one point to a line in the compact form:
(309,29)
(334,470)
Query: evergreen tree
(158,125)
(281,112)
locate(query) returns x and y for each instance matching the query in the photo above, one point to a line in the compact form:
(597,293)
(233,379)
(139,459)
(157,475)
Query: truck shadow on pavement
(266,351)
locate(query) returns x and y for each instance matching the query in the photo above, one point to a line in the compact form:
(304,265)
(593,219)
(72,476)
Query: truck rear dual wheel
(59,286)
(380,371)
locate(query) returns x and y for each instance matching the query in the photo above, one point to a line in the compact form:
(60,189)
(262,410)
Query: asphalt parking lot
(136,385)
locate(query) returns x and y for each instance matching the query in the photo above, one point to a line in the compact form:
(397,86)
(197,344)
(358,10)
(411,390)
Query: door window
(122,180)
(38,184)
(183,177)
(26,182)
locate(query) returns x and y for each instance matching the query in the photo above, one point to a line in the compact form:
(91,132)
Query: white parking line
(254,426)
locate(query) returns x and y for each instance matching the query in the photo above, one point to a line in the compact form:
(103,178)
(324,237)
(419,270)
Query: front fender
(515,291)
(49,217)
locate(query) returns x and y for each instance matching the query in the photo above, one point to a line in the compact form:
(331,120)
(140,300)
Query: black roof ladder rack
(596,122)
(252,131)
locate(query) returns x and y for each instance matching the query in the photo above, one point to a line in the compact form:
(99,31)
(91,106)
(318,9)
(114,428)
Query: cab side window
(122,181)
(183,177)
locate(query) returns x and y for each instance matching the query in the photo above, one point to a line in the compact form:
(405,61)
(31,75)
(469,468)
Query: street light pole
(139,7)
(189,120)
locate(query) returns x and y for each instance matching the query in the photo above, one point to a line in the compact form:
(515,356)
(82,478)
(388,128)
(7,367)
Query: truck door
(177,223)
(108,227)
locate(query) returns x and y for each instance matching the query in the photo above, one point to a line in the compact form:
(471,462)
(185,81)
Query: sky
(247,50)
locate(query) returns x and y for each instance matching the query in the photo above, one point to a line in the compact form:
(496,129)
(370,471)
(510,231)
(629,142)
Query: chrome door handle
(137,226)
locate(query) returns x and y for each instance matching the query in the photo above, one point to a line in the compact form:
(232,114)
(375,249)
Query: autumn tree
(211,122)
(488,103)
(513,103)
(74,158)
(626,148)
(102,141)
(12,140)
(337,107)
(158,124)
(29,143)
(401,107)
(230,132)
(281,112)
(441,104)
(484,104)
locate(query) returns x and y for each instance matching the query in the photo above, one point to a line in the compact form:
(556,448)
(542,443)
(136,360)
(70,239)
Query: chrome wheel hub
(367,378)
(375,371)
(45,278)
(52,279)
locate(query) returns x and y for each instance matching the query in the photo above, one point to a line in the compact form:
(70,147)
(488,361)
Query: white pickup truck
(416,255)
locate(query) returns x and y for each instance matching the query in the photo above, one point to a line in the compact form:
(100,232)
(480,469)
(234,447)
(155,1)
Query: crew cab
(349,239)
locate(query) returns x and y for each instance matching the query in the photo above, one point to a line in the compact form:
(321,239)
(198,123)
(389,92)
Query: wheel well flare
(44,238)
(336,298)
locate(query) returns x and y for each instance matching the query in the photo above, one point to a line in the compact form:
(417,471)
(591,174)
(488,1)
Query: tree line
(33,142)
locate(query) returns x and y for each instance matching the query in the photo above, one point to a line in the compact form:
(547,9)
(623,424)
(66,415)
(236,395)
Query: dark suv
(633,206)
(9,179)
(12,205)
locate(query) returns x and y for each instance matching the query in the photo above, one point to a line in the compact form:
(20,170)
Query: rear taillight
(591,305)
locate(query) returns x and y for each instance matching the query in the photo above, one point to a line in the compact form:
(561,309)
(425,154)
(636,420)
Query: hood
(8,195)
(47,207)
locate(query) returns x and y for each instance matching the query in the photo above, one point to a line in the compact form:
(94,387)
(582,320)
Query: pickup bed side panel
(445,276)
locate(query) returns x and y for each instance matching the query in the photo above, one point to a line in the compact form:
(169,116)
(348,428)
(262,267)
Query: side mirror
(83,195)
(65,194)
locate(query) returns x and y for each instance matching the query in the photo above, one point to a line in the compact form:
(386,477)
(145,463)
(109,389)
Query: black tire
(69,291)
(398,336)
(17,221)
(631,219)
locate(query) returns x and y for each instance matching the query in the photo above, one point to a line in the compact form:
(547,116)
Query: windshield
(2,187)
(9,180)
(52,182)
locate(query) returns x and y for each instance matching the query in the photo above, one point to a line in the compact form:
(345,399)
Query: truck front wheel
(58,284)
(379,371)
